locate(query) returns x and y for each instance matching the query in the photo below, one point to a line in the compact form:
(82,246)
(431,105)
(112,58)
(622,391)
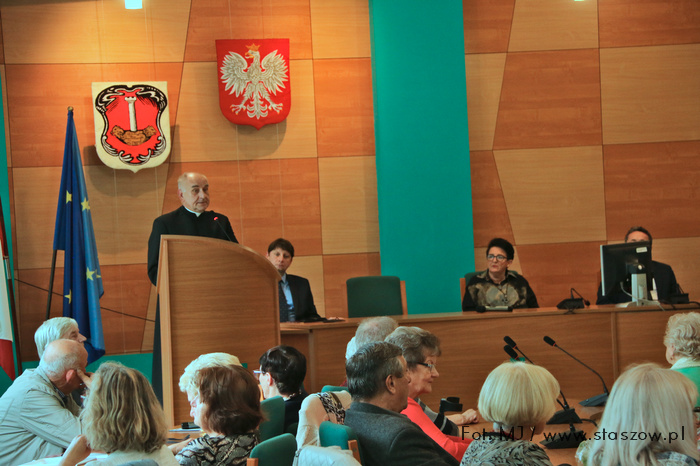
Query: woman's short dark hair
(287,366)
(503,244)
(232,398)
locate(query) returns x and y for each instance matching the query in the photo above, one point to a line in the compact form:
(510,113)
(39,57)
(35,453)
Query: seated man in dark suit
(296,300)
(378,382)
(664,280)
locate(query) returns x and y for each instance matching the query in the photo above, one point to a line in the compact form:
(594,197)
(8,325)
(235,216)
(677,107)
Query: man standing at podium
(191,219)
(296,300)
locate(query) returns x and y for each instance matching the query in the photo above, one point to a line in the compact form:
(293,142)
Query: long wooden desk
(606,338)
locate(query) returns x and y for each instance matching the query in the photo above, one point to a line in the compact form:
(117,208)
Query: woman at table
(518,398)
(123,418)
(682,340)
(649,401)
(227,408)
(498,286)
(421,350)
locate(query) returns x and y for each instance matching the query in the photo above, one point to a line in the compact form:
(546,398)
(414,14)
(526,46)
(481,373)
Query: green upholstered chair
(333,388)
(273,423)
(375,296)
(277,451)
(340,435)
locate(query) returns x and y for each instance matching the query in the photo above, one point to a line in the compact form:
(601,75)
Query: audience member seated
(663,279)
(227,408)
(205,360)
(497,286)
(38,417)
(378,381)
(319,407)
(518,398)
(282,372)
(56,329)
(421,350)
(123,418)
(646,399)
(370,330)
(682,340)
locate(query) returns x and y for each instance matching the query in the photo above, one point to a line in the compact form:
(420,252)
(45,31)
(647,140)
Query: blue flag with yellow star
(82,279)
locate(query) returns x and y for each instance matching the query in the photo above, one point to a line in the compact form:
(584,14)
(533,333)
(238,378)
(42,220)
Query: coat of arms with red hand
(254,87)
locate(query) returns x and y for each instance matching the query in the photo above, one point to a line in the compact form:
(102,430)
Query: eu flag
(82,279)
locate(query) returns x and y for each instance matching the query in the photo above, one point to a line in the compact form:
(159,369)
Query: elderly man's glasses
(499,258)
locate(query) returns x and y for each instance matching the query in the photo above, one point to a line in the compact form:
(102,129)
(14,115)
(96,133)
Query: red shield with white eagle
(253,79)
(132,124)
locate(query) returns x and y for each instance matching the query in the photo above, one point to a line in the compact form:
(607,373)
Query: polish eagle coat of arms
(253,75)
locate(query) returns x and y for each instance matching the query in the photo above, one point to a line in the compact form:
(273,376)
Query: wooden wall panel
(489,206)
(554,25)
(650,94)
(123,205)
(625,23)
(301,206)
(248,19)
(549,99)
(553,195)
(654,185)
(94,32)
(679,254)
(203,133)
(340,29)
(344,108)
(553,269)
(336,271)
(348,187)
(484,80)
(487,25)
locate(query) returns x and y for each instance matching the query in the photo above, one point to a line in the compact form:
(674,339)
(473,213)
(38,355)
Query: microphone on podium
(566,415)
(216,220)
(598,400)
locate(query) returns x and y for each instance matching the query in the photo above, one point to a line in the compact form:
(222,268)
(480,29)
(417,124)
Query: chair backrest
(333,388)
(339,435)
(273,423)
(277,451)
(375,296)
(464,280)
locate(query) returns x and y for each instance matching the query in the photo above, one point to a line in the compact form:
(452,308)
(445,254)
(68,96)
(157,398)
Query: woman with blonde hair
(682,341)
(123,418)
(648,420)
(518,398)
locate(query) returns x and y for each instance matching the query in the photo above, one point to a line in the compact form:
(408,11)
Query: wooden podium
(215,296)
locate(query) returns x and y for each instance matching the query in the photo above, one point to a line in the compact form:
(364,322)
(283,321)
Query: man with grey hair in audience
(370,330)
(38,418)
(378,382)
(56,329)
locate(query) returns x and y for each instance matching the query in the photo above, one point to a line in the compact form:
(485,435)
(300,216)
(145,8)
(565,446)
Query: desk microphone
(566,415)
(509,341)
(216,220)
(598,400)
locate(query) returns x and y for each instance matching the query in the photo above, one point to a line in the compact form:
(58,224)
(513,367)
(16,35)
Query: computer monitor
(626,266)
